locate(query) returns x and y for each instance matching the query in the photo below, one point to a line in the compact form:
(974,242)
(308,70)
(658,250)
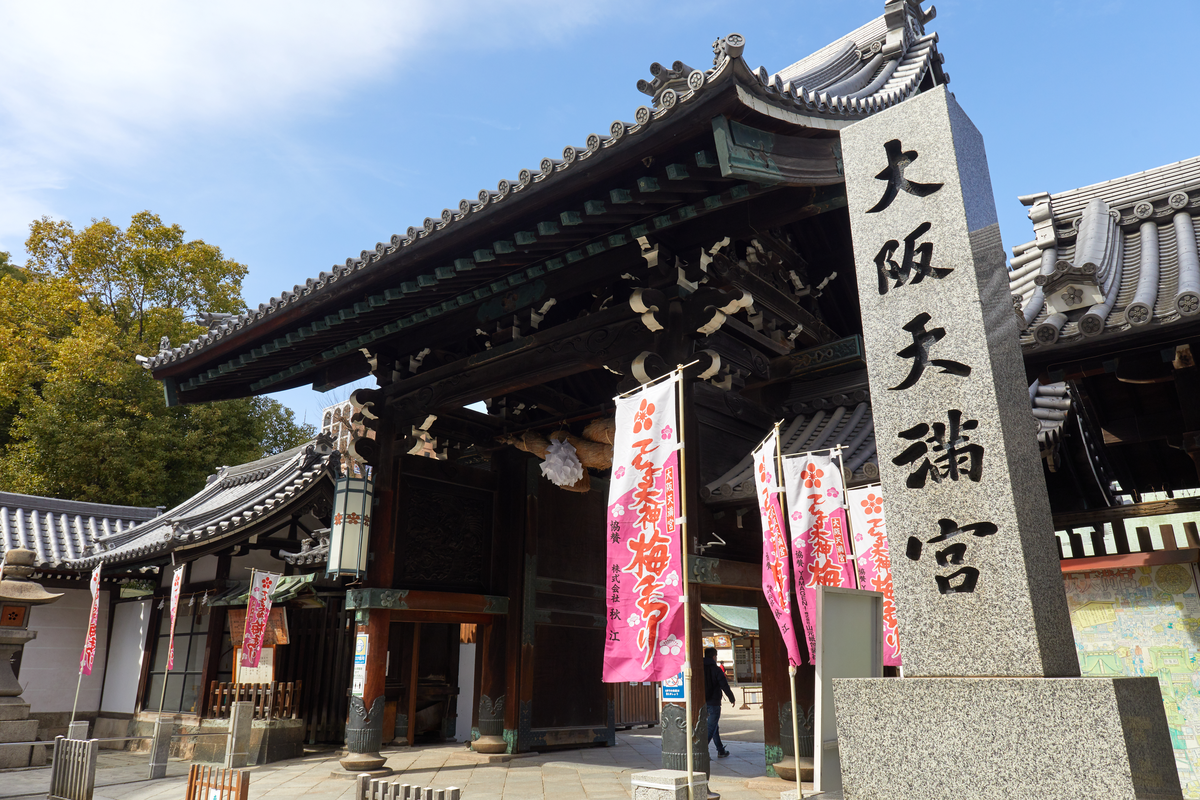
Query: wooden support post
(1098,547)
(1076,544)
(414,680)
(774,683)
(1145,543)
(1190,535)
(1168,537)
(1121,536)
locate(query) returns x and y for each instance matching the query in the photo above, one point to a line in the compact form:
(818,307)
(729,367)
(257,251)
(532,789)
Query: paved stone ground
(597,773)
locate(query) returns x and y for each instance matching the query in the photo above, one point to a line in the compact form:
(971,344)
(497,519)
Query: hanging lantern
(351,529)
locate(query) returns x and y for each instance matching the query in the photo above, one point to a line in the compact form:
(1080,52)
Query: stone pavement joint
(601,773)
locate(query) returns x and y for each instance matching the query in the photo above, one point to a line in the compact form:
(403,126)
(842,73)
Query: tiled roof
(850,426)
(1115,257)
(234,499)
(869,70)
(62,530)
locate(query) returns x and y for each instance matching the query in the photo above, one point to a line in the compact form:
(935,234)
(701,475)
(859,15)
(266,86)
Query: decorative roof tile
(873,68)
(60,531)
(1109,258)
(234,499)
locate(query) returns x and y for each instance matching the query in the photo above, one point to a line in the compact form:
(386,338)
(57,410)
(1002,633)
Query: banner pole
(687,625)
(791,667)
(75,704)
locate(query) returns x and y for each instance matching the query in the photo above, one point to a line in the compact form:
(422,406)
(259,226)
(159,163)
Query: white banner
(176,586)
(88,657)
(644,577)
(258,609)
(874,561)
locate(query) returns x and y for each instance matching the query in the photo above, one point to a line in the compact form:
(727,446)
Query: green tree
(79,418)
(9,269)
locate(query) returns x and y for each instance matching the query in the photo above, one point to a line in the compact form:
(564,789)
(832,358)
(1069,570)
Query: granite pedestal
(667,784)
(1010,738)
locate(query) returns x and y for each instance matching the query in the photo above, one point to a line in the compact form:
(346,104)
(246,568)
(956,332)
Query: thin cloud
(84,83)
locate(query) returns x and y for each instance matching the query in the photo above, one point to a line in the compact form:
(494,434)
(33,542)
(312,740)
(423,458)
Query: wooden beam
(1083,519)
(1186,555)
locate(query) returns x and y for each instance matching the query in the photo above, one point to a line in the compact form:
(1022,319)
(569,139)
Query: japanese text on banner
(257,611)
(777,572)
(176,585)
(644,575)
(88,657)
(874,561)
(817,520)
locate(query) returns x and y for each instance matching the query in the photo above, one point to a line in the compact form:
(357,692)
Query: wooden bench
(230,784)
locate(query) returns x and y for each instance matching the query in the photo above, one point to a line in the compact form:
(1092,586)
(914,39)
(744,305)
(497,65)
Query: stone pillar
(979,594)
(241,724)
(18,595)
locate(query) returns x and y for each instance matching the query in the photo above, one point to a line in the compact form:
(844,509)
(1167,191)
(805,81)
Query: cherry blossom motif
(634,620)
(833,492)
(642,420)
(812,476)
(618,511)
(620,473)
(670,646)
(873,504)
(671,578)
(667,432)
(797,516)
(764,474)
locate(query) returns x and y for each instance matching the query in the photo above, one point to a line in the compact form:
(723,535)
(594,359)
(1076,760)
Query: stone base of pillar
(668,784)
(355,764)
(491,745)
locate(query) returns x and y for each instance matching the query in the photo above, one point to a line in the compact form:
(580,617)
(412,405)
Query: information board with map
(1145,621)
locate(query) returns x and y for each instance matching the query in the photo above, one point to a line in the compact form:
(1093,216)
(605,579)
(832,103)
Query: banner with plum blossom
(776,568)
(87,658)
(258,609)
(821,554)
(874,562)
(176,586)
(644,585)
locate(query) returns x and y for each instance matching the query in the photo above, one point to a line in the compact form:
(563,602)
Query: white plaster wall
(466,691)
(202,569)
(50,665)
(124,668)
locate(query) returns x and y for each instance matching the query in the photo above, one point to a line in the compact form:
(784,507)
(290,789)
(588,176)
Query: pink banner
(874,562)
(644,637)
(776,572)
(257,611)
(176,586)
(88,657)
(821,554)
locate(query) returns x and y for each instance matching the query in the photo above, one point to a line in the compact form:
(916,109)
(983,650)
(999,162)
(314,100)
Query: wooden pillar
(214,642)
(525,668)
(775,691)
(414,682)
(376,622)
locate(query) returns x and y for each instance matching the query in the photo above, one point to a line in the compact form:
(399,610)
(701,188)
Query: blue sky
(295,134)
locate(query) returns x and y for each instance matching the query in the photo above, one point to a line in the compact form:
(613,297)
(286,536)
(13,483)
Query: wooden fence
(229,784)
(635,704)
(277,700)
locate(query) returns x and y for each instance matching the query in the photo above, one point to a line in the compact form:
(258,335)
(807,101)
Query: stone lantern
(17,595)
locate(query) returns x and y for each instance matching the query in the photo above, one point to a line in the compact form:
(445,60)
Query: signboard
(644,570)
(874,562)
(672,688)
(358,681)
(275,634)
(263,673)
(721,641)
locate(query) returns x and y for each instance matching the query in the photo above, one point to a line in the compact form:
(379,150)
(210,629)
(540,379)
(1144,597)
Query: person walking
(715,683)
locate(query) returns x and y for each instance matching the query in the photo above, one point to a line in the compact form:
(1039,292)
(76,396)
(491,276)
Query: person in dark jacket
(715,683)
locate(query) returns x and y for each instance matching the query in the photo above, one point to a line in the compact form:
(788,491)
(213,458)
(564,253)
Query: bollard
(241,723)
(160,748)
